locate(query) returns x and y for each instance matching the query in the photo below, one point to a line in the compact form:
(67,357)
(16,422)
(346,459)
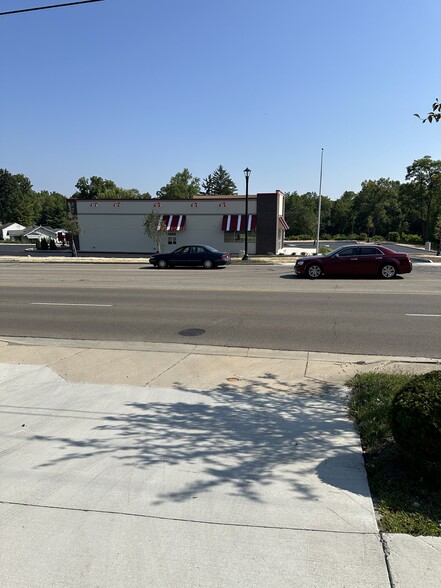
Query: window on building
(172,238)
(239,237)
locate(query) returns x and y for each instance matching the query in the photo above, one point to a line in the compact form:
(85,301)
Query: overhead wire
(50,6)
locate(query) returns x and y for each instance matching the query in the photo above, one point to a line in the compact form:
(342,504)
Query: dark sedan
(355,260)
(191,256)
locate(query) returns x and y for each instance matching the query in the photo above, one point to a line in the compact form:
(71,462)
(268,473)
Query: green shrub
(37,244)
(393,236)
(412,239)
(43,244)
(415,417)
(52,245)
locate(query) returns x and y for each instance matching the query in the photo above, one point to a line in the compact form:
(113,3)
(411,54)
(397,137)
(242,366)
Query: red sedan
(355,260)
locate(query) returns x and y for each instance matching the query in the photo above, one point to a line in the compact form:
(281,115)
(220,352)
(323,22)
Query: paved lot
(215,467)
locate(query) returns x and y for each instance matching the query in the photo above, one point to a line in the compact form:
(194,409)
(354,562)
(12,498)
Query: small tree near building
(155,229)
(72,228)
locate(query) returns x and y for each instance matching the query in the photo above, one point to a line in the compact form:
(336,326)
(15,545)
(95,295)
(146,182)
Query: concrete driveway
(106,485)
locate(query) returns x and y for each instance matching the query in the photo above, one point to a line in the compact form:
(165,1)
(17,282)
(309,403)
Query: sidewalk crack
(168,369)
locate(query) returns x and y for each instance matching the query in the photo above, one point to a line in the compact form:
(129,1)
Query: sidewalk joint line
(307,364)
(386,553)
(168,369)
(183,520)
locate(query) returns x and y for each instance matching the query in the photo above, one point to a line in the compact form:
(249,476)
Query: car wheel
(388,271)
(162,264)
(314,271)
(208,264)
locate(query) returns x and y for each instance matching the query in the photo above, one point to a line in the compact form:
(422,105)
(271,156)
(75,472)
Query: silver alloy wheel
(208,264)
(162,264)
(388,271)
(314,271)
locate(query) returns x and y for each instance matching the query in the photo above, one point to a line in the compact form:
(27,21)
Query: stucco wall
(117,226)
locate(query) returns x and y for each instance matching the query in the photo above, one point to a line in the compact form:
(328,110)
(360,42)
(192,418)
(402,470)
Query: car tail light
(225,256)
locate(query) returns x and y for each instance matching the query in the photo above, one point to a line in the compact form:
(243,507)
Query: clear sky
(136,90)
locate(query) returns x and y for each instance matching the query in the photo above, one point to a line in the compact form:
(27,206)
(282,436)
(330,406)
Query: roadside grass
(406,495)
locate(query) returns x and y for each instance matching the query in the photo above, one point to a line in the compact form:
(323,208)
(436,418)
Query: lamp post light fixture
(247,173)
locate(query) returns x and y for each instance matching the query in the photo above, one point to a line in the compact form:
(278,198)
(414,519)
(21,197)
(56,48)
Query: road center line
(423,314)
(67,304)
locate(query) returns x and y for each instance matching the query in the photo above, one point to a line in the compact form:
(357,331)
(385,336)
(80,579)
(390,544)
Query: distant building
(5,230)
(33,234)
(116,226)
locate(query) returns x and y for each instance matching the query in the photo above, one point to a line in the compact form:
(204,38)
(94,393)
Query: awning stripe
(283,222)
(172,222)
(239,222)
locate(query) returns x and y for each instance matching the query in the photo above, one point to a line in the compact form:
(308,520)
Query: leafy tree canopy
(16,198)
(99,188)
(182,185)
(219,183)
(155,228)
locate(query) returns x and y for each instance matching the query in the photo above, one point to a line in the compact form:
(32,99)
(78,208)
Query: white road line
(67,304)
(423,314)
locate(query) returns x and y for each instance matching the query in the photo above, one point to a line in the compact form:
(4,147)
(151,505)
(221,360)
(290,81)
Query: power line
(51,6)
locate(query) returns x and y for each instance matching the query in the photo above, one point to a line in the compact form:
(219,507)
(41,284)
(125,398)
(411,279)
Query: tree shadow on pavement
(238,440)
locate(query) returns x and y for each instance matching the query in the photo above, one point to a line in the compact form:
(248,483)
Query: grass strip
(406,495)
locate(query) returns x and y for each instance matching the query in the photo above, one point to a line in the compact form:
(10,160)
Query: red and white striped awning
(283,222)
(173,222)
(238,222)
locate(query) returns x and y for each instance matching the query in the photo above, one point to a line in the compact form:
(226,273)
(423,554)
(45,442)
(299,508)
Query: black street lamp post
(247,173)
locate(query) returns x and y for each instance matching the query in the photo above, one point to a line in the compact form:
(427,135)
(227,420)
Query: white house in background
(5,230)
(117,225)
(33,234)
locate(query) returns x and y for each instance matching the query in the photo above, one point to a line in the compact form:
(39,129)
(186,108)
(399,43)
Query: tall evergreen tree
(219,183)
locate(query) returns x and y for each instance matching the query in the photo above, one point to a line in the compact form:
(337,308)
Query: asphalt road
(253,306)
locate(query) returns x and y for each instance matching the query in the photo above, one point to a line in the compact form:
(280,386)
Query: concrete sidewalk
(184,465)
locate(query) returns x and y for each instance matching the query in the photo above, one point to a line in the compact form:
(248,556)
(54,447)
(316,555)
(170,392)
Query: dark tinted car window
(198,250)
(370,251)
(349,251)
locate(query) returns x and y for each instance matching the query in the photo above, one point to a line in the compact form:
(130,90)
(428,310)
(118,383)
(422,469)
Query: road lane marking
(423,314)
(67,304)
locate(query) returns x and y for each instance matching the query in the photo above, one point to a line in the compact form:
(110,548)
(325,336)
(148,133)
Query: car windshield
(333,252)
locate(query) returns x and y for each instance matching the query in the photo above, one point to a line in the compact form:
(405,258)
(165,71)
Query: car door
(196,256)
(345,262)
(180,256)
(370,261)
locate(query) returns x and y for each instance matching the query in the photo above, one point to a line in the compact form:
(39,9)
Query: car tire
(208,264)
(162,264)
(314,271)
(388,271)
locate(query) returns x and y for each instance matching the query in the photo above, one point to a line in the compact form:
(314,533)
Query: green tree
(377,207)
(155,228)
(301,213)
(73,229)
(424,176)
(99,188)
(182,185)
(219,183)
(343,215)
(437,234)
(52,209)
(16,199)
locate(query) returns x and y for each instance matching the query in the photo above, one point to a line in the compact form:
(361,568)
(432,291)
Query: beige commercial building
(116,226)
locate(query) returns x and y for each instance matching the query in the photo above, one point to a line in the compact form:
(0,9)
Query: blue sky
(136,90)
